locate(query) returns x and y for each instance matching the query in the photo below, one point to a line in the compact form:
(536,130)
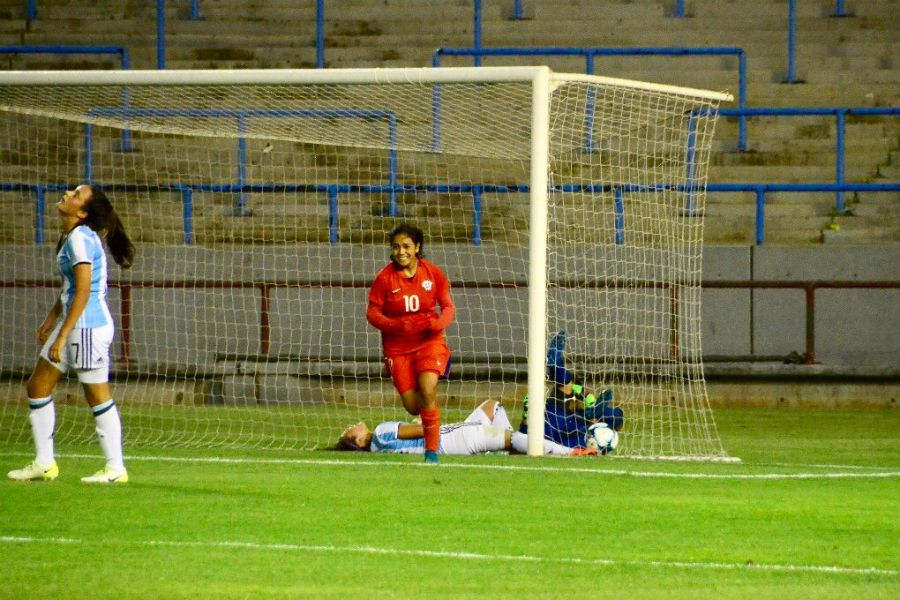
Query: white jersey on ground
(475,435)
(83,245)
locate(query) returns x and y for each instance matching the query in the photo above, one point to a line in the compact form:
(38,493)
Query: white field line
(523,468)
(830,569)
(821,466)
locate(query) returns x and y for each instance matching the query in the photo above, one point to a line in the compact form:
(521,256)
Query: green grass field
(811,512)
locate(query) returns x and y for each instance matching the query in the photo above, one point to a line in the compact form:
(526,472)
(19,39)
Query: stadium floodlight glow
(552,201)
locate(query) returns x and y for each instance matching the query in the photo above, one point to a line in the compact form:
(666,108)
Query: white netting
(624,258)
(260,215)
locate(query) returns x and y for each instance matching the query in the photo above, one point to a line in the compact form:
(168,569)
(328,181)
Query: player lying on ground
(571,408)
(487,429)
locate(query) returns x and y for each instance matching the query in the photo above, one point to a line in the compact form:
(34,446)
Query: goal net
(260,203)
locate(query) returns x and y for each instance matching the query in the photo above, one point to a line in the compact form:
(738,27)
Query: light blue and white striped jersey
(384,439)
(458,439)
(83,245)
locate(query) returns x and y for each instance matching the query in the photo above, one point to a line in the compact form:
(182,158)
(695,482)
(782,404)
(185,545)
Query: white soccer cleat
(35,472)
(107,475)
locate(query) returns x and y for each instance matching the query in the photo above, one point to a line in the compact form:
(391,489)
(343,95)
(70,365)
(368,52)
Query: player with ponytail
(78,332)
(103,219)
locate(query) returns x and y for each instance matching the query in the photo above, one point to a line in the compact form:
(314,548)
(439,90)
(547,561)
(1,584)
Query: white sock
(551,447)
(520,445)
(109,431)
(43,422)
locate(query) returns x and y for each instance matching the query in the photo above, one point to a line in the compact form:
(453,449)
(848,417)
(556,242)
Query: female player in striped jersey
(487,429)
(80,340)
(403,302)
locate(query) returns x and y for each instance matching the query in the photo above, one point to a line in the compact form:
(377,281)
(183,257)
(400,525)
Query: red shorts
(405,368)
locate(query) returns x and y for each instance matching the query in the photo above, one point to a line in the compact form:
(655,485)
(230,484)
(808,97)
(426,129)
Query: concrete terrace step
(777,229)
(723,200)
(747,208)
(843,62)
(824,94)
(784,174)
(792,158)
(885,205)
(736,8)
(728,31)
(782,228)
(439,19)
(868,147)
(889,172)
(856,231)
(425,13)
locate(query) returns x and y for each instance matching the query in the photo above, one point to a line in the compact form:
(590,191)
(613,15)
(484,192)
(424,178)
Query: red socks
(431,424)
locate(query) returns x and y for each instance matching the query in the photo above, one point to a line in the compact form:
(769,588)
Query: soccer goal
(260,202)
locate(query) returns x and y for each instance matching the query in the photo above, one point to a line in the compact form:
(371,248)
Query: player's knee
(411,402)
(489,407)
(428,392)
(42,380)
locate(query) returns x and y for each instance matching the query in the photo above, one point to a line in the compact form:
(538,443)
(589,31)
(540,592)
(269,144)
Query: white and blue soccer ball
(602,439)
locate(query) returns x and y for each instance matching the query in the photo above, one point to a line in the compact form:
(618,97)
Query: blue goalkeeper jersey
(568,428)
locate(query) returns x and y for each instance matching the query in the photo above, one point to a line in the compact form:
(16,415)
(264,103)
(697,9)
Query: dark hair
(102,218)
(413,233)
(345,444)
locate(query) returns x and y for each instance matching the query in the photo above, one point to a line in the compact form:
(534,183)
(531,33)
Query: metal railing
(240,186)
(840,116)
(477,191)
(589,55)
(839,187)
(125,63)
(124,60)
(762,189)
(679,12)
(265,288)
(31,12)
(808,357)
(839,10)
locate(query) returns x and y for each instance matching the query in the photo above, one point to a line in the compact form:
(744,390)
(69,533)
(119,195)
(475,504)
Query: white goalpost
(259,202)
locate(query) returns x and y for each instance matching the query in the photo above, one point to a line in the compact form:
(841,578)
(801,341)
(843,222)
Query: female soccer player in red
(402,305)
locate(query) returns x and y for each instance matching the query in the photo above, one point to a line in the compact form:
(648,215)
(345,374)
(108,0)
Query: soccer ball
(602,439)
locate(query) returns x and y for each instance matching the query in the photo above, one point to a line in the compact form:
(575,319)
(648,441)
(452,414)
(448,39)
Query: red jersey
(404,308)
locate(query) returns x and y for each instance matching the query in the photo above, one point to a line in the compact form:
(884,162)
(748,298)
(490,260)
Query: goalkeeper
(487,429)
(571,409)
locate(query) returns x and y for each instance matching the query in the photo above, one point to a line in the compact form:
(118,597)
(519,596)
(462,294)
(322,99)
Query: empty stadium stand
(847,61)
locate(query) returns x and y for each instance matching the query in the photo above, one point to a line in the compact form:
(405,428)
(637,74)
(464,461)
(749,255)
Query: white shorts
(86,352)
(461,439)
(500,420)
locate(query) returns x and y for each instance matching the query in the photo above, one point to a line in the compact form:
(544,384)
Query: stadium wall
(755,307)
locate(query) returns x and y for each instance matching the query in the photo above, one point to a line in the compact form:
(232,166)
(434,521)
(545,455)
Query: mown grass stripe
(831,569)
(369,462)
